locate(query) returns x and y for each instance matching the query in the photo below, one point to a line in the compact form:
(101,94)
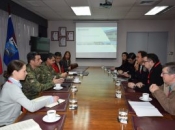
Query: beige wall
(124,26)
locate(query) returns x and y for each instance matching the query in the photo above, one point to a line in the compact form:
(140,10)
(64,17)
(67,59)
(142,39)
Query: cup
(76,79)
(145,96)
(123,115)
(51,114)
(58,85)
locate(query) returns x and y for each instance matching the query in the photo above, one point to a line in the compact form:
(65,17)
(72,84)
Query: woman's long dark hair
(64,57)
(124,61)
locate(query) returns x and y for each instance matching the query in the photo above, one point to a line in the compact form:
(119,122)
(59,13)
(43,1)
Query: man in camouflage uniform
(47,67)
(37,79)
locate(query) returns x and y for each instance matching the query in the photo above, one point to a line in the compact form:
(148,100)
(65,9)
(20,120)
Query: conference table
(97,105)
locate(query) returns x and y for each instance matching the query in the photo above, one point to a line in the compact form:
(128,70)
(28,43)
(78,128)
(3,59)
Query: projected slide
(96,42)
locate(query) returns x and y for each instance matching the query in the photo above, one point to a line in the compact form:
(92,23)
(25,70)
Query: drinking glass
(123,115)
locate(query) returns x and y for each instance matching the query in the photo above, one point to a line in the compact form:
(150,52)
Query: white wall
(124,26)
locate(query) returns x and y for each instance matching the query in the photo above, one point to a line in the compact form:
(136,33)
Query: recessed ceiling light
(81,10)
(156,10)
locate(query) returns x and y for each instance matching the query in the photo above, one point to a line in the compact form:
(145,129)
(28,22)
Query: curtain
(23,30)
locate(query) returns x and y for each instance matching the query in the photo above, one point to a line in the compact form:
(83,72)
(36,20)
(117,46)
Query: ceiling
(120,10)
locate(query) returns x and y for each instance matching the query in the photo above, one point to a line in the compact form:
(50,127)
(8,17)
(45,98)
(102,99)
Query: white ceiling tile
(121,9)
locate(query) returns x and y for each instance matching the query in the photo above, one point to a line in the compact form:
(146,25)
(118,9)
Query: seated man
(129,71)
(141,72)
(57,66)
(166,98)
(152,63)
(36,80)
(47,67)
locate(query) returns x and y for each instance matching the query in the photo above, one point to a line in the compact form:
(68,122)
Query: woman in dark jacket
(66,61)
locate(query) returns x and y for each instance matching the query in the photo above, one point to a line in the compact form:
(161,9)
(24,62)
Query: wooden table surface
(97,105)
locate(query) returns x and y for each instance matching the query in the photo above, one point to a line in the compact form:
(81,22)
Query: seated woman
(66,61)
(124,63)
(12,97)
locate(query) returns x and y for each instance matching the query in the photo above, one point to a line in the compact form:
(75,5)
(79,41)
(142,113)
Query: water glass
(123,115)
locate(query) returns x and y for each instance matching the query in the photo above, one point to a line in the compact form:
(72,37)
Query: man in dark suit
(152,63)
(141,73)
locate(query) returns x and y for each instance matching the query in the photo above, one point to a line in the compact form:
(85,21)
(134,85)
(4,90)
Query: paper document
(55,103)
(23,125)
(144,109)
(72,72)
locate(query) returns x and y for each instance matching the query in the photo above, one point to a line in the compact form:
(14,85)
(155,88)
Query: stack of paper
(55,103)
(23,125)
(144,109)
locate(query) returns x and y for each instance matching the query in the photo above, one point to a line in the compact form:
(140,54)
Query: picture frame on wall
(54,35)
(62,42)
(70,36)
(62,31)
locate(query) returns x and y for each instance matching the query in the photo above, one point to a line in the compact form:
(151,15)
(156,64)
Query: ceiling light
(156,10)
(81,10)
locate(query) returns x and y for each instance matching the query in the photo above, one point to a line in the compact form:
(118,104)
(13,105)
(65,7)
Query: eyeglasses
(163,73)
(145,61)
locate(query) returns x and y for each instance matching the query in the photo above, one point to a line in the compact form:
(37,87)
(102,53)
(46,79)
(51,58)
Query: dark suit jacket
(123,67)
(66,65)
(154,77)
(140,76)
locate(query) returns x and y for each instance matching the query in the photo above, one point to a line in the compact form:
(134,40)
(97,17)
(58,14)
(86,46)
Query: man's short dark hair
(143,53)
(131,56)
(49,56)
(58,54)
(153,57)
(31,56)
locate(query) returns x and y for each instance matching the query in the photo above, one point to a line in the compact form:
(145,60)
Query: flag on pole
(1,70)
(11,50)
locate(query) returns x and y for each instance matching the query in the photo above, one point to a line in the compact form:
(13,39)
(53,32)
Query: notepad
(23,125)
(55,103)
(144,109)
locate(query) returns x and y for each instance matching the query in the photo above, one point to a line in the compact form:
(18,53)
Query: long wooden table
(97,105)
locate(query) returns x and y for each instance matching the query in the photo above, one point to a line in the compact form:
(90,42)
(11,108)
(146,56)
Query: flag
(11,50)
(1,70)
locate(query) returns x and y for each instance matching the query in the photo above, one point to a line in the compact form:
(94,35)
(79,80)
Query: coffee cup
(76,79)
(58,85)
(51,114)
(145,96)
(115,71)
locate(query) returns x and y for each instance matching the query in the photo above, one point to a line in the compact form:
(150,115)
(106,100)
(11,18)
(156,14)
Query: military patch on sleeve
(31,81)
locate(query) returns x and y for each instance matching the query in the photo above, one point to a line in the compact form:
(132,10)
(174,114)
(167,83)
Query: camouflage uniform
(49,71)
(36,81)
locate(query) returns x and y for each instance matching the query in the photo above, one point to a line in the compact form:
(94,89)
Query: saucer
(45,119)
(78,81)
(141,98)
(58,88)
